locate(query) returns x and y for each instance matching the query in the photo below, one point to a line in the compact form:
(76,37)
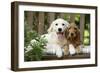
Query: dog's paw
(65,52)
(72,50)
(59,53)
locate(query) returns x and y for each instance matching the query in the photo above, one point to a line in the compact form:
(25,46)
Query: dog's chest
(53,38)
(62,41)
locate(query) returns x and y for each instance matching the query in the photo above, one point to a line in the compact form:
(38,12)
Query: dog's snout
(72,34)
(59,29)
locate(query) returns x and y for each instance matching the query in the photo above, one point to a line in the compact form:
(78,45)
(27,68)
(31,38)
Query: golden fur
(72,34)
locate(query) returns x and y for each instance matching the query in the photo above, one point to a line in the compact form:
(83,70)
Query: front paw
(72,50)
(66,51)
(59,53)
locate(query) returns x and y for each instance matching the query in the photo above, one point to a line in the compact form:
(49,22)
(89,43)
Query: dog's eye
(75,28)
(63,24)
(69,27)
(56,24)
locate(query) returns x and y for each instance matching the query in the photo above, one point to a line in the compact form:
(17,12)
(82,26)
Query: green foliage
(66,16)
(29,36)
(87,18)
(36,53)
(37,43)
(86,33)
(87,30)
(33,55)
(86,41)
(86,37)
(77,17)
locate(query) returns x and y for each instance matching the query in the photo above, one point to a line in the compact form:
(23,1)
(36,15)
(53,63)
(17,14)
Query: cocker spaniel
(72,34)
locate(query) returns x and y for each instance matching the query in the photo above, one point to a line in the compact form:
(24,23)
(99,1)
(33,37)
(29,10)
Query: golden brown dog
(72,34)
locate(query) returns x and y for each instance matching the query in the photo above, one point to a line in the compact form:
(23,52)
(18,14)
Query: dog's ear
(78,31)
(50,29)
(66,32)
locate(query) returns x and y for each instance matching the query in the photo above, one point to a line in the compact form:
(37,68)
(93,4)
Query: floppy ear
(78,33)
(66,33)
(50,29)
(78,39)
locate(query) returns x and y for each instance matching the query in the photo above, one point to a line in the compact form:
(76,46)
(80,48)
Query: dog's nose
(72,34)
(59,29)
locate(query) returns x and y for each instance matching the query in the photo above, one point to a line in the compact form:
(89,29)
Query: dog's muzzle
(59,29)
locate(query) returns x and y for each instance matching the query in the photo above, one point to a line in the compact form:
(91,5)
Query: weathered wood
(72,18)
(69,57)
(35,21)
(51,17)
(77,56)
(68,17)
(62,15)
(82,23)
(41,23)
(30,20)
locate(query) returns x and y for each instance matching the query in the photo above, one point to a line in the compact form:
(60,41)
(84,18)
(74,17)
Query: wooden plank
(51,17)
(69,57)
(82,23)
(41,23)
(72,18)
(77,56)
(35,21)
(30,20)
(68,17)
(62,15)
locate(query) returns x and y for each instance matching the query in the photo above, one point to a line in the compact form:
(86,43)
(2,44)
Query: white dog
(55,37)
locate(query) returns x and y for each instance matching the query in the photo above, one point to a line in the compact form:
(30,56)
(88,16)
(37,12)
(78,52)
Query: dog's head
(72,32)
(59,25)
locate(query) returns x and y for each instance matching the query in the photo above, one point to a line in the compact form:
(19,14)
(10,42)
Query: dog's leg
(66,50)
(78,49)
(59,52)
(71,49)
(50,49)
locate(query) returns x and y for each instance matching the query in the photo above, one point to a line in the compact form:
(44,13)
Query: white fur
(54,28)
(52,46)
(71,49)
(54,49)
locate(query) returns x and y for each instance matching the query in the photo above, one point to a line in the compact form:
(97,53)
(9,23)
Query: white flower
(33,41)
(28,48)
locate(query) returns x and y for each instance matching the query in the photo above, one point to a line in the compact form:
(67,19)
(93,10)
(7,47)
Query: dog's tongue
(60,35)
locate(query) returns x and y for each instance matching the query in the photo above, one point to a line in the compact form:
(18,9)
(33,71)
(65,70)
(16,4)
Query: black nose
(59,29)
(72,34)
